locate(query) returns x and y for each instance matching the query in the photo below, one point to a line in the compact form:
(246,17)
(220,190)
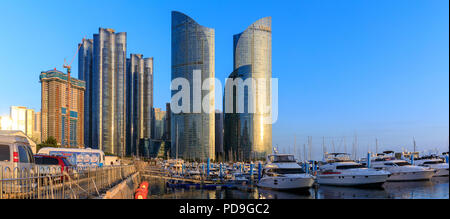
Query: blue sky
(365,68)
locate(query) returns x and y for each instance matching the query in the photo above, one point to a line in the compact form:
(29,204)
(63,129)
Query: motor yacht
(401,170)
(340,170)
(435,163)
(283,173)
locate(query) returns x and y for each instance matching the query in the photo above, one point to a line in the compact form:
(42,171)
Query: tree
(49,142)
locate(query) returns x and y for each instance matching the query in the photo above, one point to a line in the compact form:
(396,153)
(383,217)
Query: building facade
(85,73)
(139,101)
(219,135)
(158,128)
(54,112)
(248,135)
(22,119)
(167,124)
(37,127)
(106,90)
(192,132)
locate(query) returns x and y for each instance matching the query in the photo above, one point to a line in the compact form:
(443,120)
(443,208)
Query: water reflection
(437,188)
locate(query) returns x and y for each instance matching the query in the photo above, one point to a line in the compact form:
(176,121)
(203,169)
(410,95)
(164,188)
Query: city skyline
(390,83)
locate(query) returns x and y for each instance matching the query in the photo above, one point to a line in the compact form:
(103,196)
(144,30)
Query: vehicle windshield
(434,162)
(288,171)
(345,167)
(282,158)
(66,162)
(403,164)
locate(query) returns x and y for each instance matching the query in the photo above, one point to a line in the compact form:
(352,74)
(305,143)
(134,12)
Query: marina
(437,188)
(284,177)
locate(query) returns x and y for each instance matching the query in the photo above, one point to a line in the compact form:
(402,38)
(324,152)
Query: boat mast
(376,145)
(323,148)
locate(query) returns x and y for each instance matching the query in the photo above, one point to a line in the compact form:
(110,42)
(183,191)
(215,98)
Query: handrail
(58,183)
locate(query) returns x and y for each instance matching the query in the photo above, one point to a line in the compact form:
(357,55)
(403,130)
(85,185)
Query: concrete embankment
(125,189)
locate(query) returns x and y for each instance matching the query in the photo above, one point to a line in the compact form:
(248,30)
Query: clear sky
(365,68)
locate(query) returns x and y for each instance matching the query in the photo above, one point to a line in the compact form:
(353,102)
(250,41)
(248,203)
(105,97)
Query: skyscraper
(37,127)
(247,135)
(192,132)
(22,119)
(85,68)
(54,111)
(219,135)
(159,118)
(139,96)
(106,90)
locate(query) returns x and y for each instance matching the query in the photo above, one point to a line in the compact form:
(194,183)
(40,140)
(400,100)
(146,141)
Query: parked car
(16,161)
(48,164)
(52,162)
(15,154)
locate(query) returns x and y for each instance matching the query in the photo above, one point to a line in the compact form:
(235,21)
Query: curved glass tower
(192,49)
(247,135)
(139,98)
(108,90)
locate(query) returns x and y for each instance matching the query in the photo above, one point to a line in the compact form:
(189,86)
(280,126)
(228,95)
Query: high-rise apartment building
(192,132)
(54,112)
(158,128)
(102,64)
(85,73)
(219,135)
(139,101)
(248,135)
(22,119)
(37,127)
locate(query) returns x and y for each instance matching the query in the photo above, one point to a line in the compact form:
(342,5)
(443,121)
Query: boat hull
(352,180)
(286,183)
(441,172)
(410,176)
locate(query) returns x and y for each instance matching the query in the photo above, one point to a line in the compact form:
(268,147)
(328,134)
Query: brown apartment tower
(54,112)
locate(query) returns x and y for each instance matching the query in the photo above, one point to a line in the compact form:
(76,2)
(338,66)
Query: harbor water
(437,188)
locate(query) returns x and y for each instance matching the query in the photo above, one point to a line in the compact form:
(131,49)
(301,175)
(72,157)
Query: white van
(78,157)
(15,154)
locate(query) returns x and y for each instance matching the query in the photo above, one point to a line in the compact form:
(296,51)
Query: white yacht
(283,173)
(400,170)
(340,170)
(239,178)
(435,163)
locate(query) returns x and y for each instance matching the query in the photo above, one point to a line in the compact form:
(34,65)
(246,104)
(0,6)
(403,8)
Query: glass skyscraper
(106,90)
(85,73)
(247,136)
(193,45)
(139,96)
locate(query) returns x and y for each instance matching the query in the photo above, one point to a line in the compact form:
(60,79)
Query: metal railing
(55,183)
